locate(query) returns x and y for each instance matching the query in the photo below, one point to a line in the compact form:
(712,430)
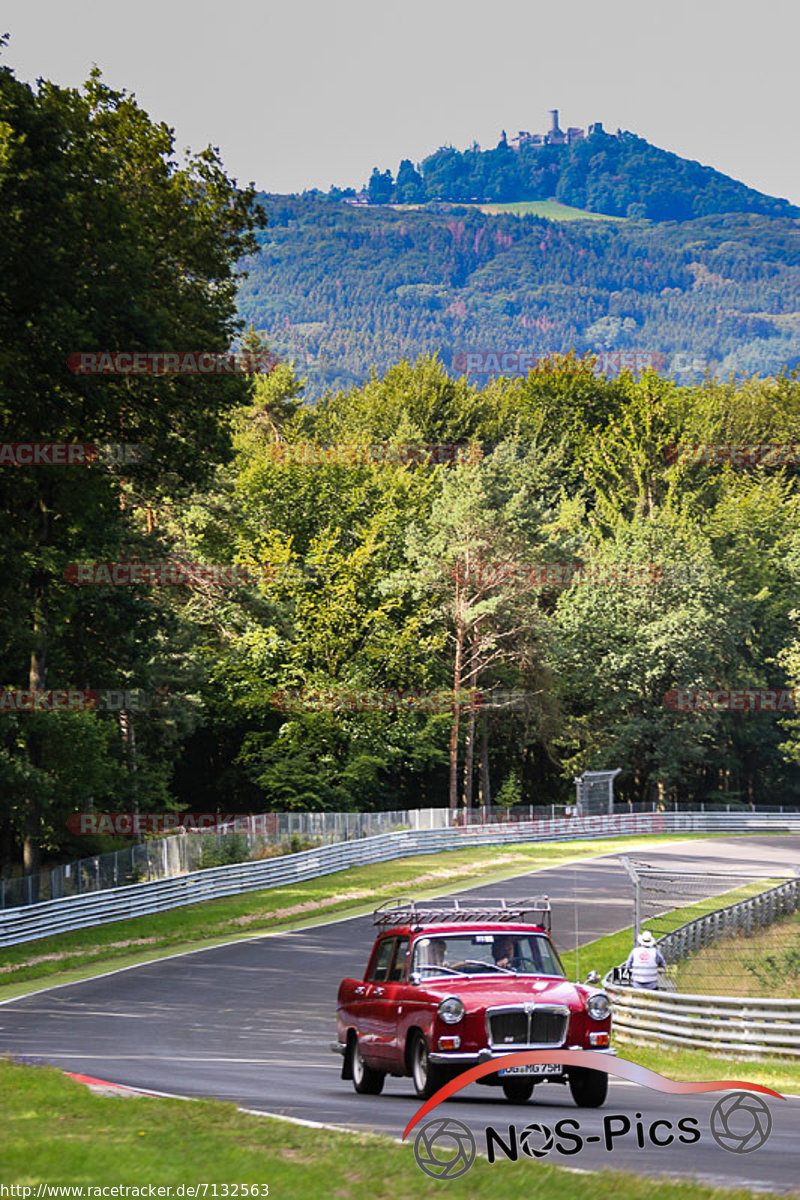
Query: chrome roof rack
(404,911)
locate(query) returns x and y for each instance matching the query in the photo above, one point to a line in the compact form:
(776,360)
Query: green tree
(380,187)
(107,242)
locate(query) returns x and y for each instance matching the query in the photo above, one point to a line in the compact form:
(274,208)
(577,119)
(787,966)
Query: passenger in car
(437,953)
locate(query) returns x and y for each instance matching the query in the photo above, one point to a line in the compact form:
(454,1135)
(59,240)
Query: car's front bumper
(476,1058)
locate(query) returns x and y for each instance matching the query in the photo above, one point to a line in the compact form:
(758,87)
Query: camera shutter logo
(740,1122)
(529,1137)
(444,1148)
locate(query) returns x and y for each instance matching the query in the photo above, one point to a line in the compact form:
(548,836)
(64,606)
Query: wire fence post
(634,877)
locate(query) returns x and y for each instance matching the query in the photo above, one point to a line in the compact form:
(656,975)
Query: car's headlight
(451,1010)
(598,1006)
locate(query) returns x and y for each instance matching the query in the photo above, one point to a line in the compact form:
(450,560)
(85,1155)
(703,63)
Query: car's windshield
(478,953)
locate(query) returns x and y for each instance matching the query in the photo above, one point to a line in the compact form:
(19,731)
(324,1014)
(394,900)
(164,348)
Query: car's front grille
(526,1027)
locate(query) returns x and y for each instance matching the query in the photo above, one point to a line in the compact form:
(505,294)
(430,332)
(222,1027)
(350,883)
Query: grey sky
(306,93)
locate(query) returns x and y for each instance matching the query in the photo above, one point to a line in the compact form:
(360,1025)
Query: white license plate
(534,1069)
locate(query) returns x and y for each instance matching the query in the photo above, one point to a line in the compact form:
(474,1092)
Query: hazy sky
(306,93)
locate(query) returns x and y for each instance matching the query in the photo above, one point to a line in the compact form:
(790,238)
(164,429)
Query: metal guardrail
(742,917)
(137,900)
(724,1024)
(169,855)
(727,1024)
(179,852)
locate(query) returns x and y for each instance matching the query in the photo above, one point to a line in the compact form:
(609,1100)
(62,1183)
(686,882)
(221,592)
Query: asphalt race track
(251,1022)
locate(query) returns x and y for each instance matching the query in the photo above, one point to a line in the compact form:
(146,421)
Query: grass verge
(56,1131)
(68,957)
(765,962)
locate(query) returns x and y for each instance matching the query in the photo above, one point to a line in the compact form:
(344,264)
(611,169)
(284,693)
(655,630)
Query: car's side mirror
(593,977)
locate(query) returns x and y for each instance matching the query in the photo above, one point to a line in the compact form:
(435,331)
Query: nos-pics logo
(445,1148)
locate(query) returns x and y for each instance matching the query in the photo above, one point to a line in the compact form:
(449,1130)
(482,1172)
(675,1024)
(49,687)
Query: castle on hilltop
(555,136)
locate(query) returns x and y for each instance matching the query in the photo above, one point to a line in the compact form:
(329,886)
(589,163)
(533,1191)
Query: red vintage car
(449,987)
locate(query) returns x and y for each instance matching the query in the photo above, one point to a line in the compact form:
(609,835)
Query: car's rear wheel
(589,1088)
(427,1077)
(518,1091)
(366,1080)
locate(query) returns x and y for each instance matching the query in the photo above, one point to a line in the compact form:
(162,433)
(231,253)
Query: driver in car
(503,952)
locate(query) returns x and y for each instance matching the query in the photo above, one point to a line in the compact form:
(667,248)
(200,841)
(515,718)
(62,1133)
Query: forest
(342,291)
(531,560)
(620,174)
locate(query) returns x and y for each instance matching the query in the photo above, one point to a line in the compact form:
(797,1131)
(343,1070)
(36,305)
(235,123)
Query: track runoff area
(252,1022)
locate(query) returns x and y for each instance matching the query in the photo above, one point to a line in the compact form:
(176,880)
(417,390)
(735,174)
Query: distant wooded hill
(616,174)
(343,290)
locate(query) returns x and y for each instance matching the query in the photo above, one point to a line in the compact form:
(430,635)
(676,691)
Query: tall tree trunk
(128,732)
(37,678)
(485,783)
(456,689)
(469,754)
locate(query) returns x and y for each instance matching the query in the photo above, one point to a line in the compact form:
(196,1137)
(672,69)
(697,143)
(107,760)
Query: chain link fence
(747,943)
(247,839)
(280,832)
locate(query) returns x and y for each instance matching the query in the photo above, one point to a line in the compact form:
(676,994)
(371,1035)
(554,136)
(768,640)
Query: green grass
(721,969)
(780,1074)
(67,957)
(550,209)
(56,1131)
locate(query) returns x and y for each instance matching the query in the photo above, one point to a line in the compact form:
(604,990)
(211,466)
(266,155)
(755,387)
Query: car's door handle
(359,991)
(378,991)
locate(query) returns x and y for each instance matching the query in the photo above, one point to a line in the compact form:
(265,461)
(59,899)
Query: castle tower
(556,137)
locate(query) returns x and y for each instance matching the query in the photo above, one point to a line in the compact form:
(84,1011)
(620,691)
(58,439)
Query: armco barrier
(742,917)
(724,1024)
(137,900)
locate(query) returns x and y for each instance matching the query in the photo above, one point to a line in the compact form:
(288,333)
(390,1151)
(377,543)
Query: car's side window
(380,968)
(398,970)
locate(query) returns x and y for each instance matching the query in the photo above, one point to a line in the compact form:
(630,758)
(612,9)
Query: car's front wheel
(589,1088)
(366,1080)
(518,1091)
(427,1077)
